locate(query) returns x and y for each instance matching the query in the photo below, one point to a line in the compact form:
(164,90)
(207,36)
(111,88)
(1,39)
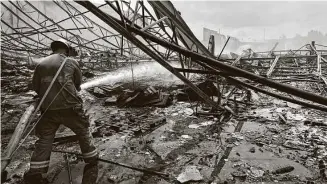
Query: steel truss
(155,29)
(123,27)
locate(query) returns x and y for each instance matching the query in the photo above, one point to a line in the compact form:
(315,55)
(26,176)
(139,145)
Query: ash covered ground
(159,129)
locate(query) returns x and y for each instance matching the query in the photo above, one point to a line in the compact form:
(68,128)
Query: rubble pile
(163,107)
(14,77)
(125,95)
(294,137)
(277,141)
(15,96)
(170,130)
(144,97)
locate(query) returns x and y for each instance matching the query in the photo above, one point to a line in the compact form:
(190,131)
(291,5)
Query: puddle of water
(202,124)
(296,117)
(205,148)
(229,128)
(264,160)
(164,148)
(264,113)
(251,126)
(77,174)
(157,134)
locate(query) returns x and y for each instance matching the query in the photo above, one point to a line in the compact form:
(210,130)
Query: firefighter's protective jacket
(64,90)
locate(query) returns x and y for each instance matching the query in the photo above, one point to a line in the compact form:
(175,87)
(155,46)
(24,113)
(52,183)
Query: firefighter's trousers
(73,118)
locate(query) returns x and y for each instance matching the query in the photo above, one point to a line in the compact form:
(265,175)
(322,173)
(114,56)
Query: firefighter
(62,106)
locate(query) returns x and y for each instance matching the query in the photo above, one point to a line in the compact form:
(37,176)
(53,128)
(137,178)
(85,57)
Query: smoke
(151,72)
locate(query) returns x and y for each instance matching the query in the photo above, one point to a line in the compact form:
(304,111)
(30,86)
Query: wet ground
(271,142)
(247,148)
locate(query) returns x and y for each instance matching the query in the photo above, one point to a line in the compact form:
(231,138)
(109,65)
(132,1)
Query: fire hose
(164,175)
(26,119)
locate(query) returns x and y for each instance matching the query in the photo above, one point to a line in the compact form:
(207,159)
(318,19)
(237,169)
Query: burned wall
(234,45)
(220,40)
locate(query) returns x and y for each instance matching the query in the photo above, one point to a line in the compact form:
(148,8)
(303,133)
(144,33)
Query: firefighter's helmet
(60,43)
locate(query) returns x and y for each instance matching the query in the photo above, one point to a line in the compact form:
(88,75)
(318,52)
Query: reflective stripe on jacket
(70,75)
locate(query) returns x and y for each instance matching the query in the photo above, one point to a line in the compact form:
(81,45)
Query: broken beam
(227,68)
(237,60)
(202,71)
(223,47)
(155,23)
(288,99)
(272,67)
(115,24)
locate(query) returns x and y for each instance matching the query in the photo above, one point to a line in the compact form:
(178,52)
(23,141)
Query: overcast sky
(249,19)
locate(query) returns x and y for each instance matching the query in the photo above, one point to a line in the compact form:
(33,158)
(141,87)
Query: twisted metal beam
(101,37)
(120,28)
(74,35)
(212,62)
